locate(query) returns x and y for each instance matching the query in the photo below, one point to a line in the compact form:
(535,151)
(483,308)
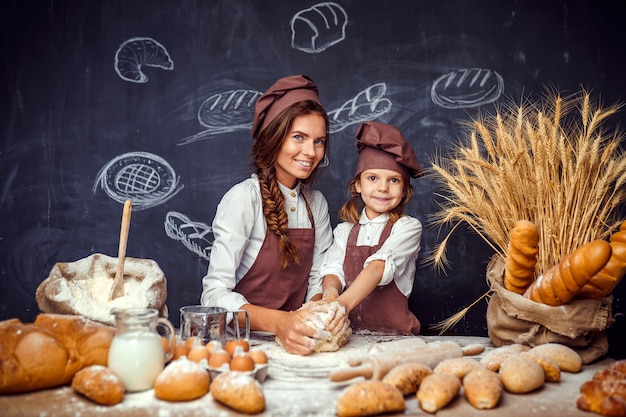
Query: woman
(271,231)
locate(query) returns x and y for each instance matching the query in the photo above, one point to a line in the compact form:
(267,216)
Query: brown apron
(266,285)
(385,309)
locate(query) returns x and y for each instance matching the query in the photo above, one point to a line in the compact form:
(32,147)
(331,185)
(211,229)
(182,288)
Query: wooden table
(298,386)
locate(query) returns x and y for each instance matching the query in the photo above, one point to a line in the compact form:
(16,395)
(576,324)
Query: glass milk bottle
(137,354)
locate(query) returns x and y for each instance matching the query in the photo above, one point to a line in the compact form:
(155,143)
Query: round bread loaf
(182,380)
(99,384)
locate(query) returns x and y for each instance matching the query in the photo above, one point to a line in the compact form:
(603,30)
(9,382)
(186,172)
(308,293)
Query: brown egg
(232,344)
(218,358)
(213,345)
(193,341)
(181,350)
(197,353)
(258,356)
(242,362)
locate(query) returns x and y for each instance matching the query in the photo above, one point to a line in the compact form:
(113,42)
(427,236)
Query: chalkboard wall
(152,99)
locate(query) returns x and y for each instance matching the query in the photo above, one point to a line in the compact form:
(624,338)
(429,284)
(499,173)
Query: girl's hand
(296,336)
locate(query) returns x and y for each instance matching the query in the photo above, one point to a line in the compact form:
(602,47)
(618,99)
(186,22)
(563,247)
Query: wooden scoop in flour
(117,289)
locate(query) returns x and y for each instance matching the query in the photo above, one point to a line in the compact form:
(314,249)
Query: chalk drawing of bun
(319,27)
(369,104)
(224,112)
(138,52)
(195,236)
(470,87)
(144,178)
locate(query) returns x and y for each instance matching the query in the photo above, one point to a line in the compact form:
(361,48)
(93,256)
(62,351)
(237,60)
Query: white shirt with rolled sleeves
(239,230)
(399,251)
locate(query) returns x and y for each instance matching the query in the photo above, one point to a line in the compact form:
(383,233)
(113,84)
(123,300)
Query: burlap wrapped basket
(513,318)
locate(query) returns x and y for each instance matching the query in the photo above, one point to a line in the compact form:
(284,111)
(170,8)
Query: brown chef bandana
(382,146)
(282,94)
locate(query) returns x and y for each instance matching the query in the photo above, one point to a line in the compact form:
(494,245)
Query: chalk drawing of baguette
(136,53)
(195,236)
(144,178)
(224,112)
(319,27)
(470,87)
(369,104)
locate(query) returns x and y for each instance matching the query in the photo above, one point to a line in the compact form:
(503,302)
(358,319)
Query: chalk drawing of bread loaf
(369,104)
(470,87)
(224,112)
(138,52)
(145,178)
(318,28)
(195,236)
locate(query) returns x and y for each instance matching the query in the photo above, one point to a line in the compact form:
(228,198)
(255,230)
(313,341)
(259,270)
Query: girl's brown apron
(385,309)
(265,284)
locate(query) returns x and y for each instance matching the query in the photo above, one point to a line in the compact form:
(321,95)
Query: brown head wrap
(282,94)
(382,146)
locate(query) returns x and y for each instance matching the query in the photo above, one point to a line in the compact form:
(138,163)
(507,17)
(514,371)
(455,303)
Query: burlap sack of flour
(513,318)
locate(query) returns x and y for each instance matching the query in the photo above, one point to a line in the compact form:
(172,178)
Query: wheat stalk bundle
(549,162)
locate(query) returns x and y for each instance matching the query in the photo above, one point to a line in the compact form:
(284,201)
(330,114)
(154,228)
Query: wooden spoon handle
(121,252)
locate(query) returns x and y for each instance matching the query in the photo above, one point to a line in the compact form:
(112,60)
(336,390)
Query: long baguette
(521,259)
(604,282)
(560,284)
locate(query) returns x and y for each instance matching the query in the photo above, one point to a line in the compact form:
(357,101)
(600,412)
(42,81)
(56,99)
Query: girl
(374,252)
(271,230)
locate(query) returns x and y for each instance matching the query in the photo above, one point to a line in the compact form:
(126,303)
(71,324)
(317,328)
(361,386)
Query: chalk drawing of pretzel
(144,178)
(138,52)
(369,104)
(195,236)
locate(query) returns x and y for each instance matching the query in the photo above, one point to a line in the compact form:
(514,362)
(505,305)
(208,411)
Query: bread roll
(99,384)
(368,398)
(48,352)
(495,357)
(563,356)
(561,283)
(519,271)
(521,375)
(458,366)
(550,369)
(182,380)
(437,390)
(239,391)
(407,377)
(482,388)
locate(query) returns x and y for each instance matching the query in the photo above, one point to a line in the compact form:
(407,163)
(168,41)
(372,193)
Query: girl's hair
(351,210)
(265,151)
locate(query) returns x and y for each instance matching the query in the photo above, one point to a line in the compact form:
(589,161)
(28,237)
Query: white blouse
(399,251)
(239,230)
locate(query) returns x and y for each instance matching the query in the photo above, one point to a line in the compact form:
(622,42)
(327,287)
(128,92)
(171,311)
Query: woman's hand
(296,336)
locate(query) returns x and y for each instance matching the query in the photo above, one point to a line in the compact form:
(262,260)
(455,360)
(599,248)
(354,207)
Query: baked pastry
(182,380)
(99,384)
(521,259)
(368,398)
(48,352)
(239,391)
(605,393)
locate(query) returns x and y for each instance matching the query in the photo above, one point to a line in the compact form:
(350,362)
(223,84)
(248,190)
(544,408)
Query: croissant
(522,257)
(562,282)
(605,281)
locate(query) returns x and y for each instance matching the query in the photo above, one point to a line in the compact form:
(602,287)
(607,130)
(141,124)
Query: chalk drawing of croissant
(136,53)
(369,104)
(224,112)
(467,87)
(195,236)
(318,28)
(144,178)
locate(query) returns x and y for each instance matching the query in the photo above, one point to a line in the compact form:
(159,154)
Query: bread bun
(605,393)
(99,384)
(182,380)
(239,391)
